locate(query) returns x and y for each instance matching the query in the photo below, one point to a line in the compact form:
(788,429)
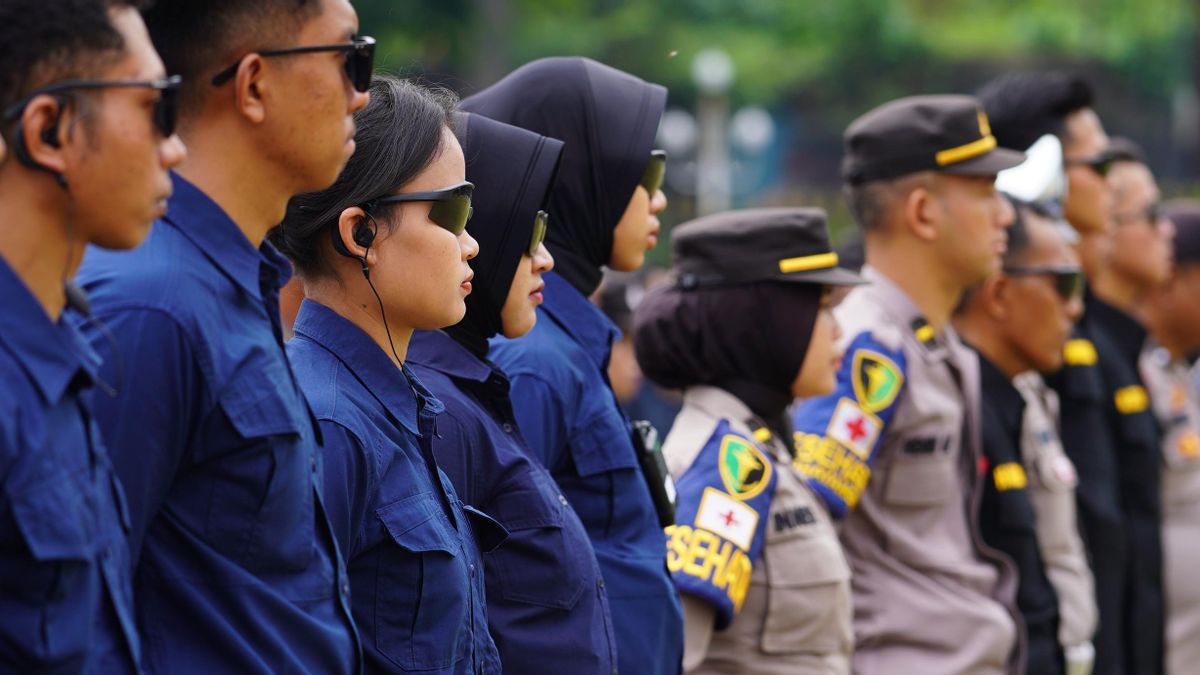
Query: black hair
(42,42)
(198,38)
(1121,149)
(399,134)
(1023,107)
(1018,232)
(868,202)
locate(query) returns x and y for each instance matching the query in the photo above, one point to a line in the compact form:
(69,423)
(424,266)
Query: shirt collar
(398,391)
(1123,329)
(716,402)
(933,347)
(206,224)
(51,354)
(582,320)
(438,351)
(1002,395)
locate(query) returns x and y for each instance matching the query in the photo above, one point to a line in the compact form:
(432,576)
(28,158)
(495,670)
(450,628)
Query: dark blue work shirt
(66,603)
(238,571)
(413,548)
(570,417)
(547,607)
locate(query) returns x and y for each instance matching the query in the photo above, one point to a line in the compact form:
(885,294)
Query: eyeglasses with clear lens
(360,60)
(166,108)
(656,170)
(1069,281)
(451,208)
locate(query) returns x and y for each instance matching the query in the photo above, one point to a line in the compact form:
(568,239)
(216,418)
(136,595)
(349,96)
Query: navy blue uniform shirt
(1007,520)
(547,607)
(569,415)
(238,571)
(413,548)
(66,604)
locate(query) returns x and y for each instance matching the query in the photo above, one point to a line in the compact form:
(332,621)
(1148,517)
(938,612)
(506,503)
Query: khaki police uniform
(897,449)
(1173,398)
(1051,486)
(795,615)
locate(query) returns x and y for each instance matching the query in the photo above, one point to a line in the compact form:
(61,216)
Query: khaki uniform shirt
(796,613)
(1174,400)
(897,449)
(1052,482)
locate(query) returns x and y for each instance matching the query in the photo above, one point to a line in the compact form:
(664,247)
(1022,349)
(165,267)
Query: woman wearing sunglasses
(603,215)
(546,608)
(745,329)
(383,252)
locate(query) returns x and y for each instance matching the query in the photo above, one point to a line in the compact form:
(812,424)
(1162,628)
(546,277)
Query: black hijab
(513,170)
(748,339)
(608,120)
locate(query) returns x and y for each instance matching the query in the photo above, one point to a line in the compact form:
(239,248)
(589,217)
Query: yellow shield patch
(745,470)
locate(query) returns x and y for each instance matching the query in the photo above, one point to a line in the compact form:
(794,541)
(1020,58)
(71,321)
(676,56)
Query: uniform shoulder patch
(745,470)
(1009,476)
(877,380)
(1079,352)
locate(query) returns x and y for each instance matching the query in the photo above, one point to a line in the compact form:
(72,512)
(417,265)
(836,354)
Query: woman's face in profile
(420,269)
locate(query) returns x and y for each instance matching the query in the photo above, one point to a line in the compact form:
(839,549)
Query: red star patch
(729,519)
(857,429)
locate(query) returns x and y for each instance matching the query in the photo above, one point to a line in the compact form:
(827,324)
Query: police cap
(1185,216)
(948,133)
(737,247)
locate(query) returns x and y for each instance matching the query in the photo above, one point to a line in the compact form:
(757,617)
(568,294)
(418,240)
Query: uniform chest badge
(877,380)
(745,470)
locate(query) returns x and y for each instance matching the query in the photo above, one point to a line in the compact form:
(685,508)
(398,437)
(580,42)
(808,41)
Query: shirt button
(600,583)
(508,428)
(346,588)
(562,500)
(313,463)
(471,569)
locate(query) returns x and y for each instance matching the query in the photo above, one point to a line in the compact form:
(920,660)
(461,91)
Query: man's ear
(249,86)
(996,294)
(43,130)
(922,213)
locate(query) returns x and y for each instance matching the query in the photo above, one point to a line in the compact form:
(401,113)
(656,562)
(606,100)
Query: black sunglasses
(1100,163)
(1068,281)
(360,60)
(656,170)
(451,208)
(166,108)
(539,232)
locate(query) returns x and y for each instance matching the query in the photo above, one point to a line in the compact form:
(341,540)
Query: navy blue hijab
(608,120)
(513,171)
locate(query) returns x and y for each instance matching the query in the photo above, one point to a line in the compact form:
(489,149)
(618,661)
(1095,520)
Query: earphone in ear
(363,235)
(49,136)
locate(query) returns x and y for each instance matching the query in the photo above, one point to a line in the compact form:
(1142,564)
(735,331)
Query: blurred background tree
(814,66)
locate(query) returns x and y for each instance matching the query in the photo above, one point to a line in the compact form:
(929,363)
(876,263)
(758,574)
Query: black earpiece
(363,235)
(49,136)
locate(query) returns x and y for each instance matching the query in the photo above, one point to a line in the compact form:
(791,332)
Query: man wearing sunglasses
(1103,413)
(1168,368)
(237,569)
(82,160)
(1018,321)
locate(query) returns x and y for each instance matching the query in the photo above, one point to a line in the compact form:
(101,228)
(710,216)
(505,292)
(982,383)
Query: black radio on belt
(654,468)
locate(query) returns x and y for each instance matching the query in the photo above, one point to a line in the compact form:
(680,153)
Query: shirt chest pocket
(260,512)
(603,455)
(808,595)
(921,480)
(422,608)
(63,581)
(545,543)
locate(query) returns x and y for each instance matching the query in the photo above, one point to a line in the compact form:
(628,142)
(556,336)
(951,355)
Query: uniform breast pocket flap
(51,520)
(423,592)
(256,412)
(921,480)
(539,548)
(808,606)
(489,534)
(602,445)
